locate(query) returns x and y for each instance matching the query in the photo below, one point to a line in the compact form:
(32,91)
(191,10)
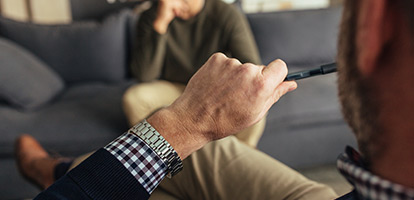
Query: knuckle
(232,62)
(244,69)
(217,56)
(249,65)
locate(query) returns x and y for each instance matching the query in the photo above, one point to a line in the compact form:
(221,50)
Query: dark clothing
(176,55)
(350,196)
(101,176)
(368,185)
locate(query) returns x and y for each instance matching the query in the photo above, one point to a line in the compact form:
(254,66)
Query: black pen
(324,69)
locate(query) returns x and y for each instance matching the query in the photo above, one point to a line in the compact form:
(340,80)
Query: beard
(355,92)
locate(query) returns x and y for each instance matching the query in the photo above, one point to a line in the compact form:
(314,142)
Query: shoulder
(223,13)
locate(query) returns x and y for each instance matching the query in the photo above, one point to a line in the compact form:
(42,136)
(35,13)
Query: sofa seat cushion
(84,118)
(81,51)
(25,81)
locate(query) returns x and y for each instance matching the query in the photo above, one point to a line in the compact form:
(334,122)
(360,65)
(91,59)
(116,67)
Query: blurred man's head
(376,79)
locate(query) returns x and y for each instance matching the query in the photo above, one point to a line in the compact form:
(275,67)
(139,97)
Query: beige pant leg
(143,99)
(227,169)
(252,135)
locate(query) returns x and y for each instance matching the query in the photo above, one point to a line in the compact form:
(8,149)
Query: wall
(38,11)
(250,6)
(58,11)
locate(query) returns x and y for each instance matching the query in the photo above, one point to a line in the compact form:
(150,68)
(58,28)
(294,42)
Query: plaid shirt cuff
(139,159)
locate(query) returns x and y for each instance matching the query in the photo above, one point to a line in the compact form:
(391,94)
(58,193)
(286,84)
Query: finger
(284,88)
(275,72)
(233,62)
(216,57)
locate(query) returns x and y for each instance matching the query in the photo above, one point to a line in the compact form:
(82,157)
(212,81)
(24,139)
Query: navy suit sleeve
(101,176)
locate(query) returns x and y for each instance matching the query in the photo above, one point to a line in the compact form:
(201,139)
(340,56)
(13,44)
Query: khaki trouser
(228,169)
(143,99)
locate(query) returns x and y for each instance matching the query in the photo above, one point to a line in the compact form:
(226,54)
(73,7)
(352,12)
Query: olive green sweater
(176,55)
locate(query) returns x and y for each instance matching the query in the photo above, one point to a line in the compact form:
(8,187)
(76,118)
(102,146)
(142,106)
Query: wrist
(179,130)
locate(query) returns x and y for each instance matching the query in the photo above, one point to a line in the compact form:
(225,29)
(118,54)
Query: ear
(372,34)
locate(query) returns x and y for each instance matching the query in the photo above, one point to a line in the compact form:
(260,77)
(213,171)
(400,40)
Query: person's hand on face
(168,10)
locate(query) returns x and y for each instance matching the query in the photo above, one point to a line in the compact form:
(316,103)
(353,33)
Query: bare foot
(34,163)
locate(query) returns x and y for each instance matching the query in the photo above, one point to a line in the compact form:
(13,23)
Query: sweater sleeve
(241,43)
(101,176)
(149,51)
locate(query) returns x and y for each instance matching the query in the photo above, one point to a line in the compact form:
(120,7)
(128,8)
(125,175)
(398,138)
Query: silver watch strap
(149,135)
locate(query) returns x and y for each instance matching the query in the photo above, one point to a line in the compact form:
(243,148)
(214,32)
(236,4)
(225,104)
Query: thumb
(275,72)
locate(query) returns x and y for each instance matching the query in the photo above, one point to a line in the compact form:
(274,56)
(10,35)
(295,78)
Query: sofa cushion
(84,118)
(81,51)
(304,37)
(25,81)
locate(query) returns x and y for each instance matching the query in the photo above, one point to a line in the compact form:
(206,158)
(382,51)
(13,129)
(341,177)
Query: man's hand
(222,98)
(167,11)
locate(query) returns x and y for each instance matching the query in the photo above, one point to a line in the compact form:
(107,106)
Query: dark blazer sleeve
(101,176)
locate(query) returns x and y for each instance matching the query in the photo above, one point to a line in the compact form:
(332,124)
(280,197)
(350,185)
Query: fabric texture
(139,159)
(228,169)
(176,55)
(306,37)
(101,176)
(223,169)
(81,51)
(368,185)
(83,118)
(26,81)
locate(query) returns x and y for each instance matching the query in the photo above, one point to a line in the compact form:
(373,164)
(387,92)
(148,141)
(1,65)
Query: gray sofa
(84,68)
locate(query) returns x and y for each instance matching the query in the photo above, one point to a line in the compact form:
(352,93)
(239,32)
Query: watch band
(149,135)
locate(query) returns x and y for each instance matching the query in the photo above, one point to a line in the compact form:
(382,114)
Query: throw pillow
(25,81)
(81,51)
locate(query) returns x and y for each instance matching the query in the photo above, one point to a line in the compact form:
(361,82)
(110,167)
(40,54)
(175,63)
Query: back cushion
(78,52)
(305,37)
(25,81)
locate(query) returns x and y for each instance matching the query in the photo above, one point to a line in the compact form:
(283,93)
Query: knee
(137,95)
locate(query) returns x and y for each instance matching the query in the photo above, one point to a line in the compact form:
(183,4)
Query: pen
(324,69)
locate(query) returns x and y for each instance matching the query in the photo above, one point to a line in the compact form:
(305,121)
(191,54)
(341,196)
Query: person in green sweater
(174,39)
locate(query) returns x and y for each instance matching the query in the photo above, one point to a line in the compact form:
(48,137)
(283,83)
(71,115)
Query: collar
(368,185)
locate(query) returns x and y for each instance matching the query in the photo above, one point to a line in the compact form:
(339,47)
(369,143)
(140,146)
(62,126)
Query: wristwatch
(161,147)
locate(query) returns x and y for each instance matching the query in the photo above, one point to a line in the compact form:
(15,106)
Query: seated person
(225,169)
(174,39)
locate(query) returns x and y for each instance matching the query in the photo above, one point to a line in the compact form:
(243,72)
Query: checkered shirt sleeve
(139,159)
(369,185)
